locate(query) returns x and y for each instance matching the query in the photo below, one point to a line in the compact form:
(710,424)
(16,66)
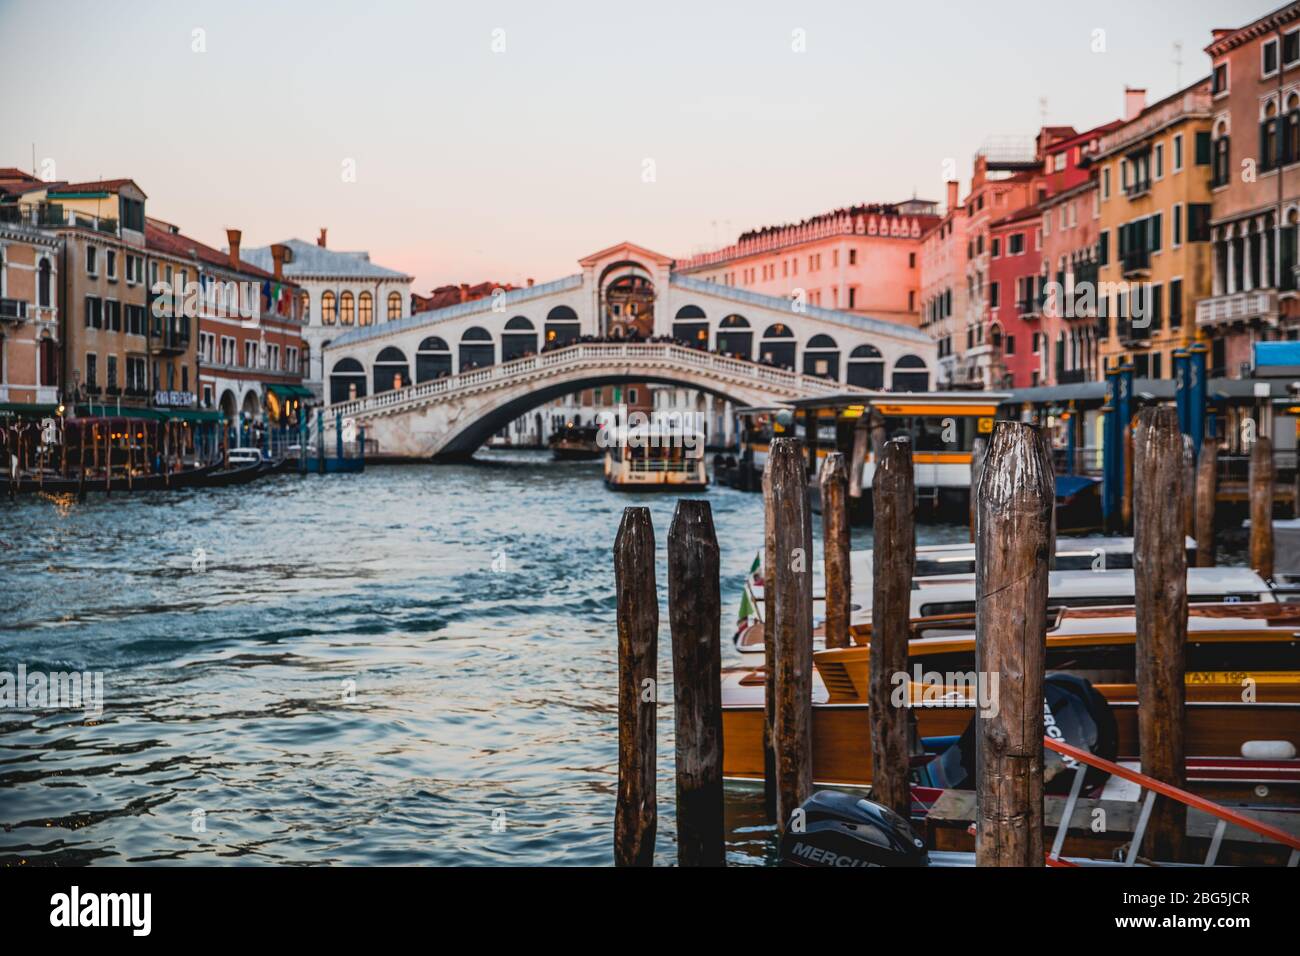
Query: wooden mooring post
(1160,599)
(1189,488)
(695,618)
(792,628)
(769,643)
(1262,475)
(1012,536)
(893,490)
(833,483)
(978,450)
(1206,497)
(635,814)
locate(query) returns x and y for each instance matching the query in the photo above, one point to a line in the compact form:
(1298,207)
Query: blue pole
(1182,390)
(320,442)
(1110,449)
(338,434)
(1121,446)
(1198,393)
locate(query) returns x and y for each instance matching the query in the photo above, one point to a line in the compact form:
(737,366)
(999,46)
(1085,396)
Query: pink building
(1015,254)
(863,259)
(943,287)
(1071,259)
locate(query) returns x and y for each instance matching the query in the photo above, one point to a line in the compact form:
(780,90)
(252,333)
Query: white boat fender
(1268,750)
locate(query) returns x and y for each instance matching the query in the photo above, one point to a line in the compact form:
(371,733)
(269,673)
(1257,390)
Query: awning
(196,416)
(96,410)
(26,410)
(290,391)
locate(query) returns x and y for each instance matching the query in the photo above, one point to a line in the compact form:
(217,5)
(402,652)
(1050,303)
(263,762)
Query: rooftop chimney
(464,292)
(1135,101)
(530,283)
(953,198)
(321,241)
(233,237)
(280,255)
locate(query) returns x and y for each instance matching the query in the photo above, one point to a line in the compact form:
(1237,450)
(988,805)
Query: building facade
(864,259)
(1070,262)
(943,287)
(1014,309)
(1254,155)
(29,315)
(1154,188)
(338,291)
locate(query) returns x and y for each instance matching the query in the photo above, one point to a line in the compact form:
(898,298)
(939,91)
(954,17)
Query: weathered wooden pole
(635,815)
(108,457)
(1206,495)
(978,450)
(833,480)
(1126,505)
(769,642)
(894,492)
(861,442)
(1012,535)
(1189,488)
(792,620)
(695,618)
(1160,599)
(1261,506)
(130,456)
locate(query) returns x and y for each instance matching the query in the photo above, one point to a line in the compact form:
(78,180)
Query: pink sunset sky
(504,141)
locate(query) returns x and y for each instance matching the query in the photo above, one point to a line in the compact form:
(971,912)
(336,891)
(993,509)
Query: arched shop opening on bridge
(866,367)
(911,375)
(391,370)
(777,347)
(821,357)
(735,337)
(691,327)
(476,349)
(562,327)
(432,359)
(519,339)
(347,381)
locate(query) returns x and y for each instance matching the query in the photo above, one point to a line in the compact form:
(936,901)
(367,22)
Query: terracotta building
(1254,156)
(29,308)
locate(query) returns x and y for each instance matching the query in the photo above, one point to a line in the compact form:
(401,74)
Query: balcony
(13,310)
(1139,188)
(1261,305)
(1030,308)
(33,214)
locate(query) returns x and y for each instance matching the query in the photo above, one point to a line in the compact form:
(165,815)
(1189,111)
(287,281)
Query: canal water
(411,665)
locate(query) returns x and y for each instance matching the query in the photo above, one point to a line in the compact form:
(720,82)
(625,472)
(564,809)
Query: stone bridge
(441,383)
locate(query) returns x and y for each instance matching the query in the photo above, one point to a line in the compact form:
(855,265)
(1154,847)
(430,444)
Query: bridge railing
(584,353)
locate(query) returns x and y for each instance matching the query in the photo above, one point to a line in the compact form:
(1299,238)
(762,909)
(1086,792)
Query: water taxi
(575,443)
(655,456)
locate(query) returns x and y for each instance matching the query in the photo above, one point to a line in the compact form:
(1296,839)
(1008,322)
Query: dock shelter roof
(1088,393)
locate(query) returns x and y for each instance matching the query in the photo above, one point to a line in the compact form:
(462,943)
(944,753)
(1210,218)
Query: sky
(466,142)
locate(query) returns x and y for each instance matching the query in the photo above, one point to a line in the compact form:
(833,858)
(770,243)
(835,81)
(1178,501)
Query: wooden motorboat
(202,476)
(655,457)
(1243,686)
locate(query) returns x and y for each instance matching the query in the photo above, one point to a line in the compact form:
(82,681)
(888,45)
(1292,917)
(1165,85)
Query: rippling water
(343,677)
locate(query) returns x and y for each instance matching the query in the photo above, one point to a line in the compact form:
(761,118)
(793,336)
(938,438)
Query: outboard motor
(838,829)
(1073,711)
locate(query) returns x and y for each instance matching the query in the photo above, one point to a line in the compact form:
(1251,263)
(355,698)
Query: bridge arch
(562,327)
(691,327)
(778,346)
(735,337)
(519,338)
(821,357)
(911,374)
(866,367)
(347,380)
(477,350)
(391,370)
(432,359)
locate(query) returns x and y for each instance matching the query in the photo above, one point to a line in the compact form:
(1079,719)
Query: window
(1178,152)
(1103,247)
(110,264)
(1203,147)
(1268,51)
(1011,344)
(250,354)
(345,309)
(111,380)
(1198,222)
(1270,139)
(1177,239)
(1158,166)
(996,247)
(1105,183)
(1156,231)
(1016,244)
(228,350)
(365,309)
(44,283)
(92,263)
(328,313)
(995,294)
(1219,154)
(135,320)
(394,305)
(1175,303)
(94,312)
(136,380)
(853,257)
(92,370)
(133,214)
(113,315)
(1220,84)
